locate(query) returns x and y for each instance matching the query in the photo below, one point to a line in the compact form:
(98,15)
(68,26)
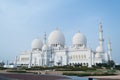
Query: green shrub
(2,68)
(16,71)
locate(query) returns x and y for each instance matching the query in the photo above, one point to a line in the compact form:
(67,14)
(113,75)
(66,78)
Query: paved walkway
(114,77)
(13,76)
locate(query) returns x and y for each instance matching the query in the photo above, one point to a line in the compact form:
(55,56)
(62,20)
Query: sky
(21,21)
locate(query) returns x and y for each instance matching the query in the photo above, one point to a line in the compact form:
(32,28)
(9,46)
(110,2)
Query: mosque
(56,53)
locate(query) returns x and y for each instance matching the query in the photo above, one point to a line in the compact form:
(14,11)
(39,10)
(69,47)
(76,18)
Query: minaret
(16,61)
(101,40)
(44,38)
(45,51)
(109,50)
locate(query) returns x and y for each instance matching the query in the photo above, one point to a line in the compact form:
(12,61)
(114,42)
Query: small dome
(45,47)
(98,55)
(99,49)
(37,44)
(79,39)
(56,37)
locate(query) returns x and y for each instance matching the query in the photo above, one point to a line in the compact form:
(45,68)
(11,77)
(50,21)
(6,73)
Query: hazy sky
(23,20)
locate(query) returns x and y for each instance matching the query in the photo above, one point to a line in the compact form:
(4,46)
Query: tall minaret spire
(44,38)
(109,50)
(101,40)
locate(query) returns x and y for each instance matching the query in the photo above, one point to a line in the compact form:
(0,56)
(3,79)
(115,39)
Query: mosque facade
(56,53)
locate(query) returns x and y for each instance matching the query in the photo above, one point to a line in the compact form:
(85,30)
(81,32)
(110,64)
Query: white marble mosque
(56,53)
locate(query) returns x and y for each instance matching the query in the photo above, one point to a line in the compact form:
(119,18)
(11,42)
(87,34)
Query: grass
(88,74)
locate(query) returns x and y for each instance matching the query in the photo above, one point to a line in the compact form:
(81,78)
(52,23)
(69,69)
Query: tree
(2,64)
(111,63)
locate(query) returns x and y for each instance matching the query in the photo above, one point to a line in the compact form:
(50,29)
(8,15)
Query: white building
(55,53)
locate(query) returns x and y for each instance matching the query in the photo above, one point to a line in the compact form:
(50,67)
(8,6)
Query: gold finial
(100,23)
(100,26)
(56,28)
(78,31)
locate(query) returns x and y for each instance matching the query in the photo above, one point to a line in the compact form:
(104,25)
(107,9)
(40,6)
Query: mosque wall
(23,59)
(79,57)
(60,57)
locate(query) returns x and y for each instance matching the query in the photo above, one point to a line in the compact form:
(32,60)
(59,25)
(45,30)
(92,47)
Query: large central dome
(56,38)
(79,39)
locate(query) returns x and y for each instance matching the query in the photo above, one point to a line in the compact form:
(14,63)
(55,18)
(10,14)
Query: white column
(45,58)
(90,60)
(30,60)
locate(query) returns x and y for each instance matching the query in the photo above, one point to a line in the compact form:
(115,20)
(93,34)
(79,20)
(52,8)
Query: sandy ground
(14,76)
(114,77)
